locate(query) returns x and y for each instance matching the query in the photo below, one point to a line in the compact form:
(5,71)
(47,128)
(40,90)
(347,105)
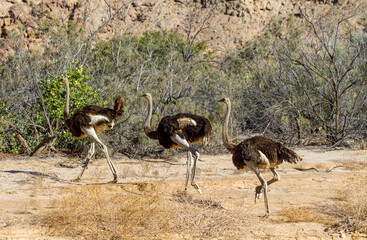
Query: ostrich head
(147,96)
(224,100)
(64,80)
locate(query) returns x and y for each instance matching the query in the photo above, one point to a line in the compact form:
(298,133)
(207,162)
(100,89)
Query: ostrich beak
(222,100)
(146,95)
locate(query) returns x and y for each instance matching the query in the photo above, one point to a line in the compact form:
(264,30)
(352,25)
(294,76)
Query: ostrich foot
(114,179)
(76,179)
(196,187)
(258,192)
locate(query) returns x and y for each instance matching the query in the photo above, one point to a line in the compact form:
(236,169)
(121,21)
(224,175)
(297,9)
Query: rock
(5,22)
(269,6)
(71,3)
(30,32)
(4,9)
(23,18)
(4,32)
(19,9)
(13,1)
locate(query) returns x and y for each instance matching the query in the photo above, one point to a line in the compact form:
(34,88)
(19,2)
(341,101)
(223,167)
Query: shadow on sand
(37,174)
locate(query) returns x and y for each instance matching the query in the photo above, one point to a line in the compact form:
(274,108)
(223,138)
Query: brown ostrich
(180,130)
(89,121)
(257,153)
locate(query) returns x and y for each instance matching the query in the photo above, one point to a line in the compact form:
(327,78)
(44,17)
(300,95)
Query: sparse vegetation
(360,163)
(353,208)
(285,84)
(108,213)
(138,211)
(304,214)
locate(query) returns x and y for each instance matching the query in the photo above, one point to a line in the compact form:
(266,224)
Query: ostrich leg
(259,188)
(193,173)
(191,165)
(264,185)
(93,135)
(85,165)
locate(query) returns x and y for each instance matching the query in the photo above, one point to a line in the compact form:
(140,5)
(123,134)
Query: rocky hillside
(228,22)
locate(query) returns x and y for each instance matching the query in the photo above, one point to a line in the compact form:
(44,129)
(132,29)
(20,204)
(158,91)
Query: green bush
(54,96)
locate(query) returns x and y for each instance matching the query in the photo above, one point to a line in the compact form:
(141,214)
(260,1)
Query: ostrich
(257,153)
(89,121)
(180,130)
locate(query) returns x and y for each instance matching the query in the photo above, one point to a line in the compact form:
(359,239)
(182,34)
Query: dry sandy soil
(29,186)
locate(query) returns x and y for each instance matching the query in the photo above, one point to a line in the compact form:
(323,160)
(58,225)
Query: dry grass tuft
(360,162)
(137,211)
(355,165)
(183,197)
(300,214)
(203,218)
(97,212)
(353,207)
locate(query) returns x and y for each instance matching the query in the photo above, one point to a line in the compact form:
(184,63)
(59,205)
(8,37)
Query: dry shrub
(355,165)
(97,212)
(300,214)
(204,218)
(320,166)
(360,162)
(353,208)
(183,197)
(137,211)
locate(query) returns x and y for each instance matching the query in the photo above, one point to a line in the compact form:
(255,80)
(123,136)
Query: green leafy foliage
(54,96)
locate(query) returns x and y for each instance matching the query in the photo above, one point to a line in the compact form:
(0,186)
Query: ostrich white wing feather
(264,159)
(183,122)
(94,119)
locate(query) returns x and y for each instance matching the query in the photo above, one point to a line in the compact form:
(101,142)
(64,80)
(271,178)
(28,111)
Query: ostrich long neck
(147,128)
(226,142)
(66,109)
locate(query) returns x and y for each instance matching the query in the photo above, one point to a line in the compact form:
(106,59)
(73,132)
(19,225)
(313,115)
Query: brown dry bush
(355,165)
(353,207)
(359,163)
(204,218)
(301,214)
(100,212)
(140,211)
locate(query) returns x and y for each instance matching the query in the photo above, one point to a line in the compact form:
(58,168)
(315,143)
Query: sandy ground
(29,184)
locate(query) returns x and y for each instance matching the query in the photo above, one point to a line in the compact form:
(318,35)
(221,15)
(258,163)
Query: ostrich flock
(181,130)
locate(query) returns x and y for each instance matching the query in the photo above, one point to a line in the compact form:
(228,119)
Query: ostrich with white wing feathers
(89,121)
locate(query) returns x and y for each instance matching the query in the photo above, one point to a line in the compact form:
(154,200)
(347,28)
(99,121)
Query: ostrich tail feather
(119,105)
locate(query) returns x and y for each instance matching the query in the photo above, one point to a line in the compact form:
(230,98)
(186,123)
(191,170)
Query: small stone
(269,7)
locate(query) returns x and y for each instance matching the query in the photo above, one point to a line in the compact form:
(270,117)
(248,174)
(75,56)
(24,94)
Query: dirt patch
(38,200)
